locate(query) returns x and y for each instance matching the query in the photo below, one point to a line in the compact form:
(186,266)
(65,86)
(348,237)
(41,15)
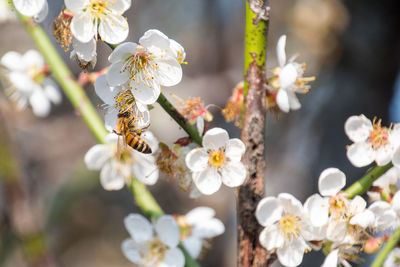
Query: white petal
(215,138)
(280,50)
(22,82)
(331,181)
(42,14)
(85,51)
(122,52)
(233,174)
(97,156)
(271,237)
(207,181)
(291,255)
(168,230)
(155,40)
(39,103)
(52,91)
(145,169)
(332,259)
(138,227)
(115,74)
(193,245)
(383,155)
(29,7)
(173,258)
(317,209)
(177,51)
(395,135)
(131,250)
(13,61)
(282,100)
(76,6)
(198,214)
(290,204)
(396,202)
(113,29)
(169,71)
(208,228)
(197,160)
(104,91)
(358,128)
(83,28)
(110,119)
(146,93)
(287,76)
(120,6)
(150,139)
(293,101)
(360,154)
(363,219)
(268,211)
(336,231)
(200,125)
(235,149)
(396,158)
(112,176)
(357,205)
(33,58)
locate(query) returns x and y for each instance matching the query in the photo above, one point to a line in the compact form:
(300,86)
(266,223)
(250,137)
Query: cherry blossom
(32,8)
(217,162)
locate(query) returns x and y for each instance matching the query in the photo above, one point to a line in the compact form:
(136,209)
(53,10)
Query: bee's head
(125,114)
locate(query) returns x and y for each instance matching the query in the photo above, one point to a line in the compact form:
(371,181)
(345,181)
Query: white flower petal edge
(168,230)
(29,8)
(331,181)
(138,227)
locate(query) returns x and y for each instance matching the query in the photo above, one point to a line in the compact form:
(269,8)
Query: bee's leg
(117,133)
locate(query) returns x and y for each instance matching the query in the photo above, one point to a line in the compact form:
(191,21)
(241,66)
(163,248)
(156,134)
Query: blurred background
(352,47)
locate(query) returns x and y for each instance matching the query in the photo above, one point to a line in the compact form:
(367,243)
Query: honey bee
(131,135)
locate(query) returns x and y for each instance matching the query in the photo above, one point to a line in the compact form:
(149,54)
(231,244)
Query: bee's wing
(121,145)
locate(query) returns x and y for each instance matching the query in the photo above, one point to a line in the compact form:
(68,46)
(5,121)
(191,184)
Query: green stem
(362,185)
(390,245)
(189,128)
(81,102)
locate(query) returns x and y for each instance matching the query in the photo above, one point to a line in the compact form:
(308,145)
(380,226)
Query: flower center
(217,158)
(125,101)
(36,74)
(185,228)
(98,8)
(379,136)
(337,205)
(156,250)
(289,225)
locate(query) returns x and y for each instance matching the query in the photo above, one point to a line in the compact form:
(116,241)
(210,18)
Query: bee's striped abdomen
(137,143)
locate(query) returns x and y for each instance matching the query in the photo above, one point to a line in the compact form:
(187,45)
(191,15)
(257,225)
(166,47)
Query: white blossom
(32,8)
(27,76)
(103,17)
(198,225)
(393,259)
(84,53)
(386,182)
(117,167)
(153,245)
(217,162)
(146,66)
(284,230)
(372,142)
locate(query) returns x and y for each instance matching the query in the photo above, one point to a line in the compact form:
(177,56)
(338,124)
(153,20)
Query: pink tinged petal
(52,91)
(112,176)
(282,100)
(384,155)
(83,28)
(331,181)
(208,228)
(360,154)
(168,230)
(271,237)
(116,74)
(42,14)
(396,158)
(292,255)
(76,6)
(363,219)
(197,160)
(332,259)
(358,128)
(396,202)
(193,245)
(290,204)
(138,227)
(33,58)
(106,93)
(268,211)
(215,138)
(169,71)
(146,92)
(122,52)
(173,258)
(280,50)
(131,250)
(120,6)
(207,181)
(235,149)
(287,76)
(13,61)
(199,214)
(97,156)
(113,29)
(39,103)
(145,169)
(29,7)
(233,174)
(318,210)
(155,41)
